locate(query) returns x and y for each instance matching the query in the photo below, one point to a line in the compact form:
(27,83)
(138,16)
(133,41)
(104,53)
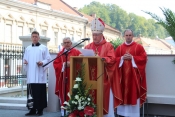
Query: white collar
(66,50)
(100,41)
(129,43)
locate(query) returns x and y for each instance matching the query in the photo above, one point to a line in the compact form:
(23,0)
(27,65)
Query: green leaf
(168,22)
(116,42)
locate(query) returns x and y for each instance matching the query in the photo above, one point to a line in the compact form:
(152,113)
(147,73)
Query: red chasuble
(132,81)
(105,50)
(58,63)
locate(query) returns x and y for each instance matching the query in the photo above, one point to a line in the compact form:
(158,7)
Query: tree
(168,23)
(118,18)
(97,8)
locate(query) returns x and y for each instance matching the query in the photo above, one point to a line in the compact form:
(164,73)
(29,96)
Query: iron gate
(11,65)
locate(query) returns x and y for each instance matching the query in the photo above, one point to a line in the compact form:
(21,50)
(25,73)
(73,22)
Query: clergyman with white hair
(60,71)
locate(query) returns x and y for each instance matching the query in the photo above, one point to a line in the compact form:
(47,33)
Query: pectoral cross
(96,51)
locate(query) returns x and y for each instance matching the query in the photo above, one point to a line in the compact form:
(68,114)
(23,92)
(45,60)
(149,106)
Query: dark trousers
(38,93)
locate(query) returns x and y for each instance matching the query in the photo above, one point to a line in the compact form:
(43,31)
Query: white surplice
(34,54)
(129,110)
(111,105)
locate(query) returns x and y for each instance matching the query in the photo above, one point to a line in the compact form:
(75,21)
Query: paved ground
(21,113)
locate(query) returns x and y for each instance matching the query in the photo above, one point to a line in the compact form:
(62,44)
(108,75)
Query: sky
(132,6)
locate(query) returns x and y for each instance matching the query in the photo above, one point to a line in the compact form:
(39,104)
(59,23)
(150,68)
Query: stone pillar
(53,100)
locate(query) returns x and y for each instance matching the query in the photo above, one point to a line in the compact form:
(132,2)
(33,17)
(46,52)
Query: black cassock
(38,93)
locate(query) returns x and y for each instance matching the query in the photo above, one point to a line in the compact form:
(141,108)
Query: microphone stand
(65,79)
(64,53)
(65,82)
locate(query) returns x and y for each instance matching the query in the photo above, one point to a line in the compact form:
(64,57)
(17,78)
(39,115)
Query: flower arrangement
(80,103)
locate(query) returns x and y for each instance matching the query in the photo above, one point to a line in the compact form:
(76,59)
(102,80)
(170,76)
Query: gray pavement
(21,113)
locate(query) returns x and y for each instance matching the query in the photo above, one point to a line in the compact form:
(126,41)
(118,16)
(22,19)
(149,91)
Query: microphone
(85,39)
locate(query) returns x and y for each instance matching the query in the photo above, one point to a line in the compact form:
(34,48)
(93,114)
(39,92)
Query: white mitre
(97,25)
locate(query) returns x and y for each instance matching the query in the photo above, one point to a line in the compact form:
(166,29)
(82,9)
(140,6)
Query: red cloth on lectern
(58,63)
(105,50)
(132,81)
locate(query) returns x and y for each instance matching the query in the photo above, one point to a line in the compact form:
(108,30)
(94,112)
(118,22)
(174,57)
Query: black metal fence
(11,65)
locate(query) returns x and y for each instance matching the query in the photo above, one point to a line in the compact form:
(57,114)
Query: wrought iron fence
(11,67)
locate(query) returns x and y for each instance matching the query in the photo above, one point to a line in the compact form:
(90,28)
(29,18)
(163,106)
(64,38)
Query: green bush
(117,42)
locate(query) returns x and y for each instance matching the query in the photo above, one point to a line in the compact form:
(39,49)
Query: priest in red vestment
(130,75)
(105,50)
(60,70)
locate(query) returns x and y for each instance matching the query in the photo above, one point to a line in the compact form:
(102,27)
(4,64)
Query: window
(88,40)
(30,30)
(78,37)
(20,33)
(72,37)
(43,5)
(55,41)
(63,35)
(8,33)
(44,32)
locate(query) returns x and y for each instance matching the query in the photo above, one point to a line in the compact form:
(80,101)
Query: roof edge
(72,8)
(34,8)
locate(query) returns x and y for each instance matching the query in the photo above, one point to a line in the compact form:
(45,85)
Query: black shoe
(31,112)
(40,112)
